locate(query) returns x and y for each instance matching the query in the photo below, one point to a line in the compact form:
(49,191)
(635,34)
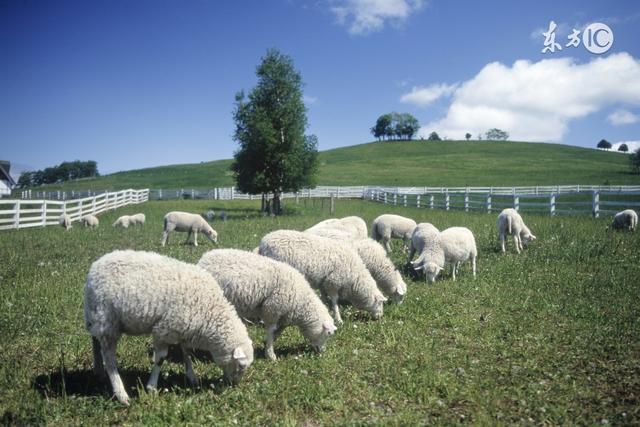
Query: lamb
(423,234)
(136,293)
(124,221)
(354,225)
(510,221)
(387,226)
(330,266)
(261,288)
(453,246)
(626,219)
(65,221)
(184,221)
(90,221)
(375,258)
(137,219)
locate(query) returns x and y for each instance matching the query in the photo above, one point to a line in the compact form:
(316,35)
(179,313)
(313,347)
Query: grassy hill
(409,163)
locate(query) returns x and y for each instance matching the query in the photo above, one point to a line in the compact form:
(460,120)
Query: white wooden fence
(16,214)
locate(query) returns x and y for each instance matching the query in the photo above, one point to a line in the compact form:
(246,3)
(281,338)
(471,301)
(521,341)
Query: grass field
(408,163)
(548,337)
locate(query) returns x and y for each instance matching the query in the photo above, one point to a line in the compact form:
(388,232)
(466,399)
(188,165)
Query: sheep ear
(381,298)
(439,268)
(401,290)
(421,267)
(533,237)
(239,354)
(329,327)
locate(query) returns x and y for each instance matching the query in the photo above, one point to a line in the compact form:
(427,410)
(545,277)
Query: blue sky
(141,83)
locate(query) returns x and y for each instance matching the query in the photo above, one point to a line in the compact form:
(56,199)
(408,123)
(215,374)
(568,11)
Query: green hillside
(409,163)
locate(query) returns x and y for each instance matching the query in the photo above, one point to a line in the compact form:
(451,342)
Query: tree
(382,127)
(623,147)
(274,155)
(395,126)
(604,144)
(467,136)
(635,161)
(496,134)
(433,136)
(25,179)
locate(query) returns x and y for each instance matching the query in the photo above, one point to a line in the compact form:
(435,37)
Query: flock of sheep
(202,306)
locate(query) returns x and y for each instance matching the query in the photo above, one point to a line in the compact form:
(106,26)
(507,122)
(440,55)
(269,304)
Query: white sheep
(389,226)
(65,221)
(510,222)
(626,219)
(191,223)
(354,225)
(453,246)
(137,219)
(375,258)
(90,221)
(423,234)
(263,289)
(330,266)
(124,221)
(140,293)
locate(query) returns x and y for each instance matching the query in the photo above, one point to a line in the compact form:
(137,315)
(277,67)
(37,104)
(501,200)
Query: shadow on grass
(175,354)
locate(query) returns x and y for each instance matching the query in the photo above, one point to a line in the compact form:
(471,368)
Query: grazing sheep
(354,225)
(90,221)
(137,219)
(140,293)
(423,234)
(388,226)
(124,221)
(210,215)
(453,246)
(330,266)
(65,221)
(510,222)
(261,288)
(627,219)
(192,223)
(375,258)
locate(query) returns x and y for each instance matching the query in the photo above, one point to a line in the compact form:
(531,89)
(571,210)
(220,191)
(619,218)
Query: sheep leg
(387,246)
(516,240)
(502,242)
(335,309)
(98,363)
(453,269)
(195,237)
(165,237)
(188,366)
(271,337)
(160,352)
(188,238)
(473,265)
(109,355)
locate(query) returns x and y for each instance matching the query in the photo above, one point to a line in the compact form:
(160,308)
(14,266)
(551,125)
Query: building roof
(4,176)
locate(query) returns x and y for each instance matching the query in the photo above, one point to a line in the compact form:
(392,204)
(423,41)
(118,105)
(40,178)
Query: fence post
(385,197)
(405,200)
(596,204)
(395,199)
(446,200)
(297,198)
(418,201)
(489,203)
(516,202)
(16,215)
(233,192)
(466,201)
(552,204)
(193,194)
(44,213)
(332,208)
(430,201)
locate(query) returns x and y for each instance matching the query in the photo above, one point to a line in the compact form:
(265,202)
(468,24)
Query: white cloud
(425,95)
(309,100)
(366,16)
(631,145)
(537,101)
(622,117)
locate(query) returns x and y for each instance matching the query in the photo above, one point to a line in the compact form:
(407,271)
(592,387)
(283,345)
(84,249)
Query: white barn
(6,182)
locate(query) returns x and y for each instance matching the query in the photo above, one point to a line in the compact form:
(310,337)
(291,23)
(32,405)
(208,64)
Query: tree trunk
(277,209)
(263,204)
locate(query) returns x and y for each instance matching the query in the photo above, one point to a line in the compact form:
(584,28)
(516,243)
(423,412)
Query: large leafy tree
(496,134)
(604,144)
(274,155)
(395,126)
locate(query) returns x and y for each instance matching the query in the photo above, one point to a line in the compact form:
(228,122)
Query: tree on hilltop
(395,126)
(604,144)
(623,147)
(496,134)
(433,136)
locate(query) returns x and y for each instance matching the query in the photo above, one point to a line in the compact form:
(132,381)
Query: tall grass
(549,336)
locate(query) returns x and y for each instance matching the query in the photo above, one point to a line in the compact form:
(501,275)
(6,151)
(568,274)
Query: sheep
(387,226)
(184,221)
(140,293)
(375,258)
(353,225)
(261,288)
(626,219)
(453,246)
(423,234)
(90,221)
(65,221)
(330,266)
(137,219)
(210,215)
(510,221)
(124,221)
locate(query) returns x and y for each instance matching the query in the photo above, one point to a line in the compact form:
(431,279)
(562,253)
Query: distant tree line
(395,126)
(65,171)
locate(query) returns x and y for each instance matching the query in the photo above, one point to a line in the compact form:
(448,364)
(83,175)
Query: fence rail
(15,214)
